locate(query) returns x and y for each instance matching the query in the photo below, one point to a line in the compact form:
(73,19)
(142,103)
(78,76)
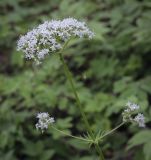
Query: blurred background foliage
(109,70)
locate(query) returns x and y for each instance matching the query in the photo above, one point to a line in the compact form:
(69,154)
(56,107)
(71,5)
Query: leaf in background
(140,139)
(99,30)
(79,145)
(146,149)
(47,154)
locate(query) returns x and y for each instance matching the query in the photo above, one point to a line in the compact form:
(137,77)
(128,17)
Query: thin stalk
(69,135)
(111,131)
(68,74)
(99,150)
(69,77)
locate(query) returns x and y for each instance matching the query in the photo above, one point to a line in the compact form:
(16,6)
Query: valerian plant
(53,37)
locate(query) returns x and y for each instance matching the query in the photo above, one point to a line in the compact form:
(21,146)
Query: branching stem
(69,135)
(111,131)
(69,77)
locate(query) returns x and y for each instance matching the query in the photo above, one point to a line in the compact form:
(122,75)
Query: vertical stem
(69,77)
(68,74)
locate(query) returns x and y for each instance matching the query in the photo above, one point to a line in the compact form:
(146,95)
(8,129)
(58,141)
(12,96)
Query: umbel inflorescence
(44,120)
(53,36)
(50,37)
(130,114)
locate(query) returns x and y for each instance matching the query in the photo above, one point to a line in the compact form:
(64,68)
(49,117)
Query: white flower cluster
(44,120)
(131,110)
(140,119)
(50,37)
(132,106)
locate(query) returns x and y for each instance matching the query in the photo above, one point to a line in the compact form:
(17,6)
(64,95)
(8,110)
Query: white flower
(42,53)
(132,106)
(43,121)
(140,119)
(130,112)
(50,37)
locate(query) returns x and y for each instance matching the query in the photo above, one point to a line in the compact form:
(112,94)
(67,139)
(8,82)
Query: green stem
(69,77)
(111,131)
(69,135)
(99,151)
(68,74)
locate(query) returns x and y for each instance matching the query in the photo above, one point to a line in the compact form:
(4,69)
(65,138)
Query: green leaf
(146,150)
(139,139)
(79,145)
(47,154)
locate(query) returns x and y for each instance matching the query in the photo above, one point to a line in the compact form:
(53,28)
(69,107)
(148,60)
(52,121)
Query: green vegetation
(109,70)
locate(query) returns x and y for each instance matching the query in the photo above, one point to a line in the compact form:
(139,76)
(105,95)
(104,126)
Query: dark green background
(109,70)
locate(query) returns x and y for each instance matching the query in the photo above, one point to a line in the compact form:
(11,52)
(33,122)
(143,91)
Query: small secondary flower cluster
(128,113)
(50,36)
(44,120)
